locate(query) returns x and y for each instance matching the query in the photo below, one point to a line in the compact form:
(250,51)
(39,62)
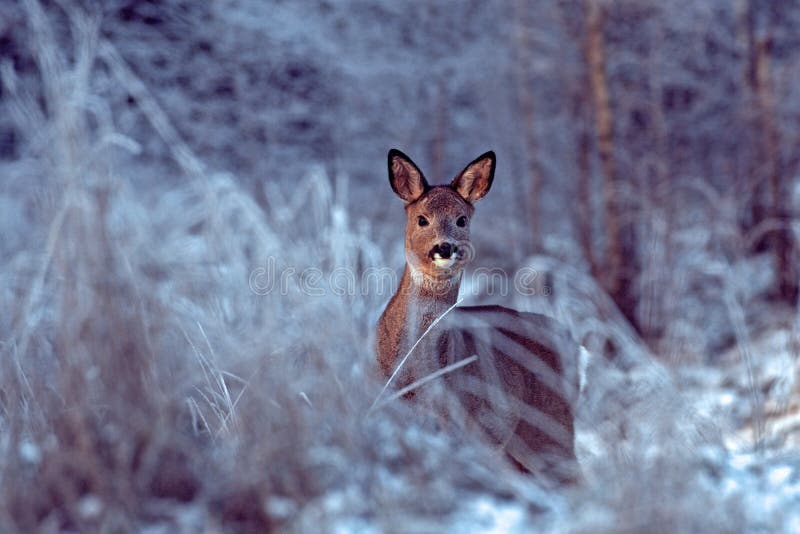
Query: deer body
(520,389)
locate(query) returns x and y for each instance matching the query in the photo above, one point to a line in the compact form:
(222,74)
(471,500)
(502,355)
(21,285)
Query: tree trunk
(619,264)
(769,209)
(585,207)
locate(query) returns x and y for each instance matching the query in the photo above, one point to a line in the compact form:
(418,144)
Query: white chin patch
(444,263)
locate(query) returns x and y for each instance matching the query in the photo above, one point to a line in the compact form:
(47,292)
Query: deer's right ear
(406,179)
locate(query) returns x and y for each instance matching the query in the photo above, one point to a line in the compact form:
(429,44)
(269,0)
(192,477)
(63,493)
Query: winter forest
(194,194)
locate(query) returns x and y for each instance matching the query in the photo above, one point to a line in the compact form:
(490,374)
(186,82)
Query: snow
(497,518)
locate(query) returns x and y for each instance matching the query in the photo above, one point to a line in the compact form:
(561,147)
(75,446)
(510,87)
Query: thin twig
(403,361)
(433,376)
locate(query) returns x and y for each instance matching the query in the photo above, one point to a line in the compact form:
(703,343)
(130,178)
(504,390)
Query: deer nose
(444,250)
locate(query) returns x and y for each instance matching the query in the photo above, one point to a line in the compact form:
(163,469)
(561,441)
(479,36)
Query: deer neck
(427,297)
(419,300)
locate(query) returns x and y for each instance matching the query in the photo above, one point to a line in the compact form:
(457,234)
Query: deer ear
(476,179)
(406,179)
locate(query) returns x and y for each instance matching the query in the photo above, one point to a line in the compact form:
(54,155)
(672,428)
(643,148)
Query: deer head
(437,217)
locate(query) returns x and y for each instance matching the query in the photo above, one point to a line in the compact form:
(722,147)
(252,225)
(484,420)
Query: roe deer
(521,384)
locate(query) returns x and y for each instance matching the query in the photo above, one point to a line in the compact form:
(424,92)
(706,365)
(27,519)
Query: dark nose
(445,250)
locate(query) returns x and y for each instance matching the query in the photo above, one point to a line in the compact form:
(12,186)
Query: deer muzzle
(444,255)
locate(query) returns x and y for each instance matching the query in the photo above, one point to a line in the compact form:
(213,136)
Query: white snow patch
(779,475)
(90,506)
(730,485)
(30,452)
(727,399)
(741,460)
(497,518)
(792,490)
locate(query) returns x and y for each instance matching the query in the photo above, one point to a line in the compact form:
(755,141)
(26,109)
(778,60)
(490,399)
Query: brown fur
(521,389)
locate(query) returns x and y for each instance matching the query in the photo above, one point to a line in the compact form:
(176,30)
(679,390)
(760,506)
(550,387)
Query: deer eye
(422,221)
(462,221)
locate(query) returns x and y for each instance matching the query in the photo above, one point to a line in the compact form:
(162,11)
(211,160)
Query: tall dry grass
(144,382)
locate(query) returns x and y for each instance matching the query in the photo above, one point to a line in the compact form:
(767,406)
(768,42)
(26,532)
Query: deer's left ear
(476,179)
